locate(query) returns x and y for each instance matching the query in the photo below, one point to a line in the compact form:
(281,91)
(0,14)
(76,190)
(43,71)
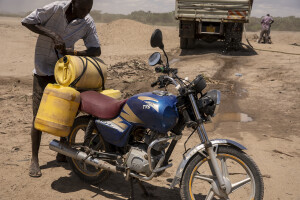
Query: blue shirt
(53,17)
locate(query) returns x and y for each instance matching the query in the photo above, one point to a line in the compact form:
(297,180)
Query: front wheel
(242,177)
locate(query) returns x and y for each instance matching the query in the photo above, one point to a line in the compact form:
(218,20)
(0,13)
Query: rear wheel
(78,139)
(233,35)
(242,177)
(187,43)
(191,43)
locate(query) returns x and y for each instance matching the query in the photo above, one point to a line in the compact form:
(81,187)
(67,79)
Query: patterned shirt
(53,17)
(266,22)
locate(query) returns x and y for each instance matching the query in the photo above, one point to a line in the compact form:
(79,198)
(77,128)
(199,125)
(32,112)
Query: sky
(281,8)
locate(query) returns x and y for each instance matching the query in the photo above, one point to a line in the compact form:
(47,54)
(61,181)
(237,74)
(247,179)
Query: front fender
(200,148)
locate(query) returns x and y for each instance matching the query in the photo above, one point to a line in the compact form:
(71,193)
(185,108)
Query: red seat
(100,105)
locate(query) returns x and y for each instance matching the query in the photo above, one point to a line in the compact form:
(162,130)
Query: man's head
(268,15)
(80,8)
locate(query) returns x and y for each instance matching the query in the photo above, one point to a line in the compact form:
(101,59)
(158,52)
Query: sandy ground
(263,87)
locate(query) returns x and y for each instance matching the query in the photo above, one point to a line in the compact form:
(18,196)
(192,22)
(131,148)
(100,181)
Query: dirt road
(260,108)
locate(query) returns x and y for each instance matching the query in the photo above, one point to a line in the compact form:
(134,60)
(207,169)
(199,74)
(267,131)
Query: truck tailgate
(213,10)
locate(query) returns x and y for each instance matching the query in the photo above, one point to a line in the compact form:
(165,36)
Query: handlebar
(154,83)
(177,85)
(164,80)
(159,69)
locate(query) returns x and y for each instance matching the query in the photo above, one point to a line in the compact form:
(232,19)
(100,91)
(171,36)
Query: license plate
(211,29)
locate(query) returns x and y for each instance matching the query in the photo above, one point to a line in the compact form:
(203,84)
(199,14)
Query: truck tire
(233,35)
(183,43)
(191,43)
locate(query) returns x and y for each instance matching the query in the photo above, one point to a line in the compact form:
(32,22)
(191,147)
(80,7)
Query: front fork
(214,167)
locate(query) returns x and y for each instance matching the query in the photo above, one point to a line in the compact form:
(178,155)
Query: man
(266,29)
(59,25)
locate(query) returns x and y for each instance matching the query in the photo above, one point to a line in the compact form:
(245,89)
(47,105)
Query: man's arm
(92,52)
(36,28)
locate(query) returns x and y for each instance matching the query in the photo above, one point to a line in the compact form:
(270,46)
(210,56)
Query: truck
(212,20)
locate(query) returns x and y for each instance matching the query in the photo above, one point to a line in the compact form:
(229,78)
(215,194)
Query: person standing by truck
(266,29)
(59,25)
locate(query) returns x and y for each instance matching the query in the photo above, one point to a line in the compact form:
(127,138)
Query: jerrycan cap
(66,60)
(64,72)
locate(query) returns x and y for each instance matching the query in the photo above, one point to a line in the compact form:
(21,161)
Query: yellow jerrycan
(58,109)
(116,94)
(82,73)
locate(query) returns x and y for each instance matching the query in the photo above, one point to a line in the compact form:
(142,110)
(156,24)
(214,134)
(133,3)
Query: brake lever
(154,84)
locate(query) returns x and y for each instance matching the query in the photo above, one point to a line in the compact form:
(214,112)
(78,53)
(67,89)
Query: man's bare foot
(34,169)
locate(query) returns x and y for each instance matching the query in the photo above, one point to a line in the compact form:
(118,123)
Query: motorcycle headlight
(209,104)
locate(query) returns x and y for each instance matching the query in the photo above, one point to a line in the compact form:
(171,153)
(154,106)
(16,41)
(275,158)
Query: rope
(297,54)
(83,71)
(97,66)
(98,69)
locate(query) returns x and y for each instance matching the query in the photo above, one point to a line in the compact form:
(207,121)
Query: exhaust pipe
(81,156)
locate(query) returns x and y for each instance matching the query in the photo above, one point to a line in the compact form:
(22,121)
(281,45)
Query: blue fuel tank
(154,110)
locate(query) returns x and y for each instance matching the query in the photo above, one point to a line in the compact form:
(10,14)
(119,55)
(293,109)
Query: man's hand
(66,51)
(59,43)
(92,52)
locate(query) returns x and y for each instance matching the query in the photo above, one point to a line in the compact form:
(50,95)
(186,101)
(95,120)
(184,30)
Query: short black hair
(268,14)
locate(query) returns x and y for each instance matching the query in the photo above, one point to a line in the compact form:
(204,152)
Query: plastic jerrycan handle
(64,68)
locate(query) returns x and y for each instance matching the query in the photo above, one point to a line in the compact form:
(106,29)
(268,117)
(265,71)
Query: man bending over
(59,25)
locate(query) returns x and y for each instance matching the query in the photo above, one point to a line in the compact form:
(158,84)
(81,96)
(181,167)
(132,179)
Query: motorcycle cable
(186,150)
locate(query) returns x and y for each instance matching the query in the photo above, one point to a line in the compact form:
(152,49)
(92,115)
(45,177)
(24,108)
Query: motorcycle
(137,136)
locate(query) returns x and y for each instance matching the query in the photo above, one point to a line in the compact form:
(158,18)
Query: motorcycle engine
(137,159)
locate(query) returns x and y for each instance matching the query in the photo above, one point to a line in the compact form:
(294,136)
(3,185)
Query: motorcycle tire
(85,172)
(243,178)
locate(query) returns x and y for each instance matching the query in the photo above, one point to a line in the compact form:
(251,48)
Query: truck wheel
(183,43)
(233,35)
(191,43)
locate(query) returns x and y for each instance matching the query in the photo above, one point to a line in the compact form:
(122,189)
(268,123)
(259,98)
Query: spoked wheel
(79,140)
(242,177)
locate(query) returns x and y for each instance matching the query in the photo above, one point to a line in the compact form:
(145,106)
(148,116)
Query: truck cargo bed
(213,10)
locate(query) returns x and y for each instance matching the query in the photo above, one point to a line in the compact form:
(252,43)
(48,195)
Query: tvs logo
(146,107)
(151,103)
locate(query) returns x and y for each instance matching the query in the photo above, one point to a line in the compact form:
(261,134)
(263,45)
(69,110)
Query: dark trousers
(39,85)
(264,35)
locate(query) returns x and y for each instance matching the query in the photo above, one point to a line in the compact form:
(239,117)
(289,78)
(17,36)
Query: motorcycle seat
(100,105)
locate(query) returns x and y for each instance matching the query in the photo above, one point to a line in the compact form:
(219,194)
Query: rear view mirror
(157,39)
(155,59)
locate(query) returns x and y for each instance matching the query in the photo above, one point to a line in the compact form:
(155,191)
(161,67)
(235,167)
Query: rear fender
(200,148)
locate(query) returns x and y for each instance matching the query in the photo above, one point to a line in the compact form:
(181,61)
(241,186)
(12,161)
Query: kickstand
(131,197)
(132,189)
